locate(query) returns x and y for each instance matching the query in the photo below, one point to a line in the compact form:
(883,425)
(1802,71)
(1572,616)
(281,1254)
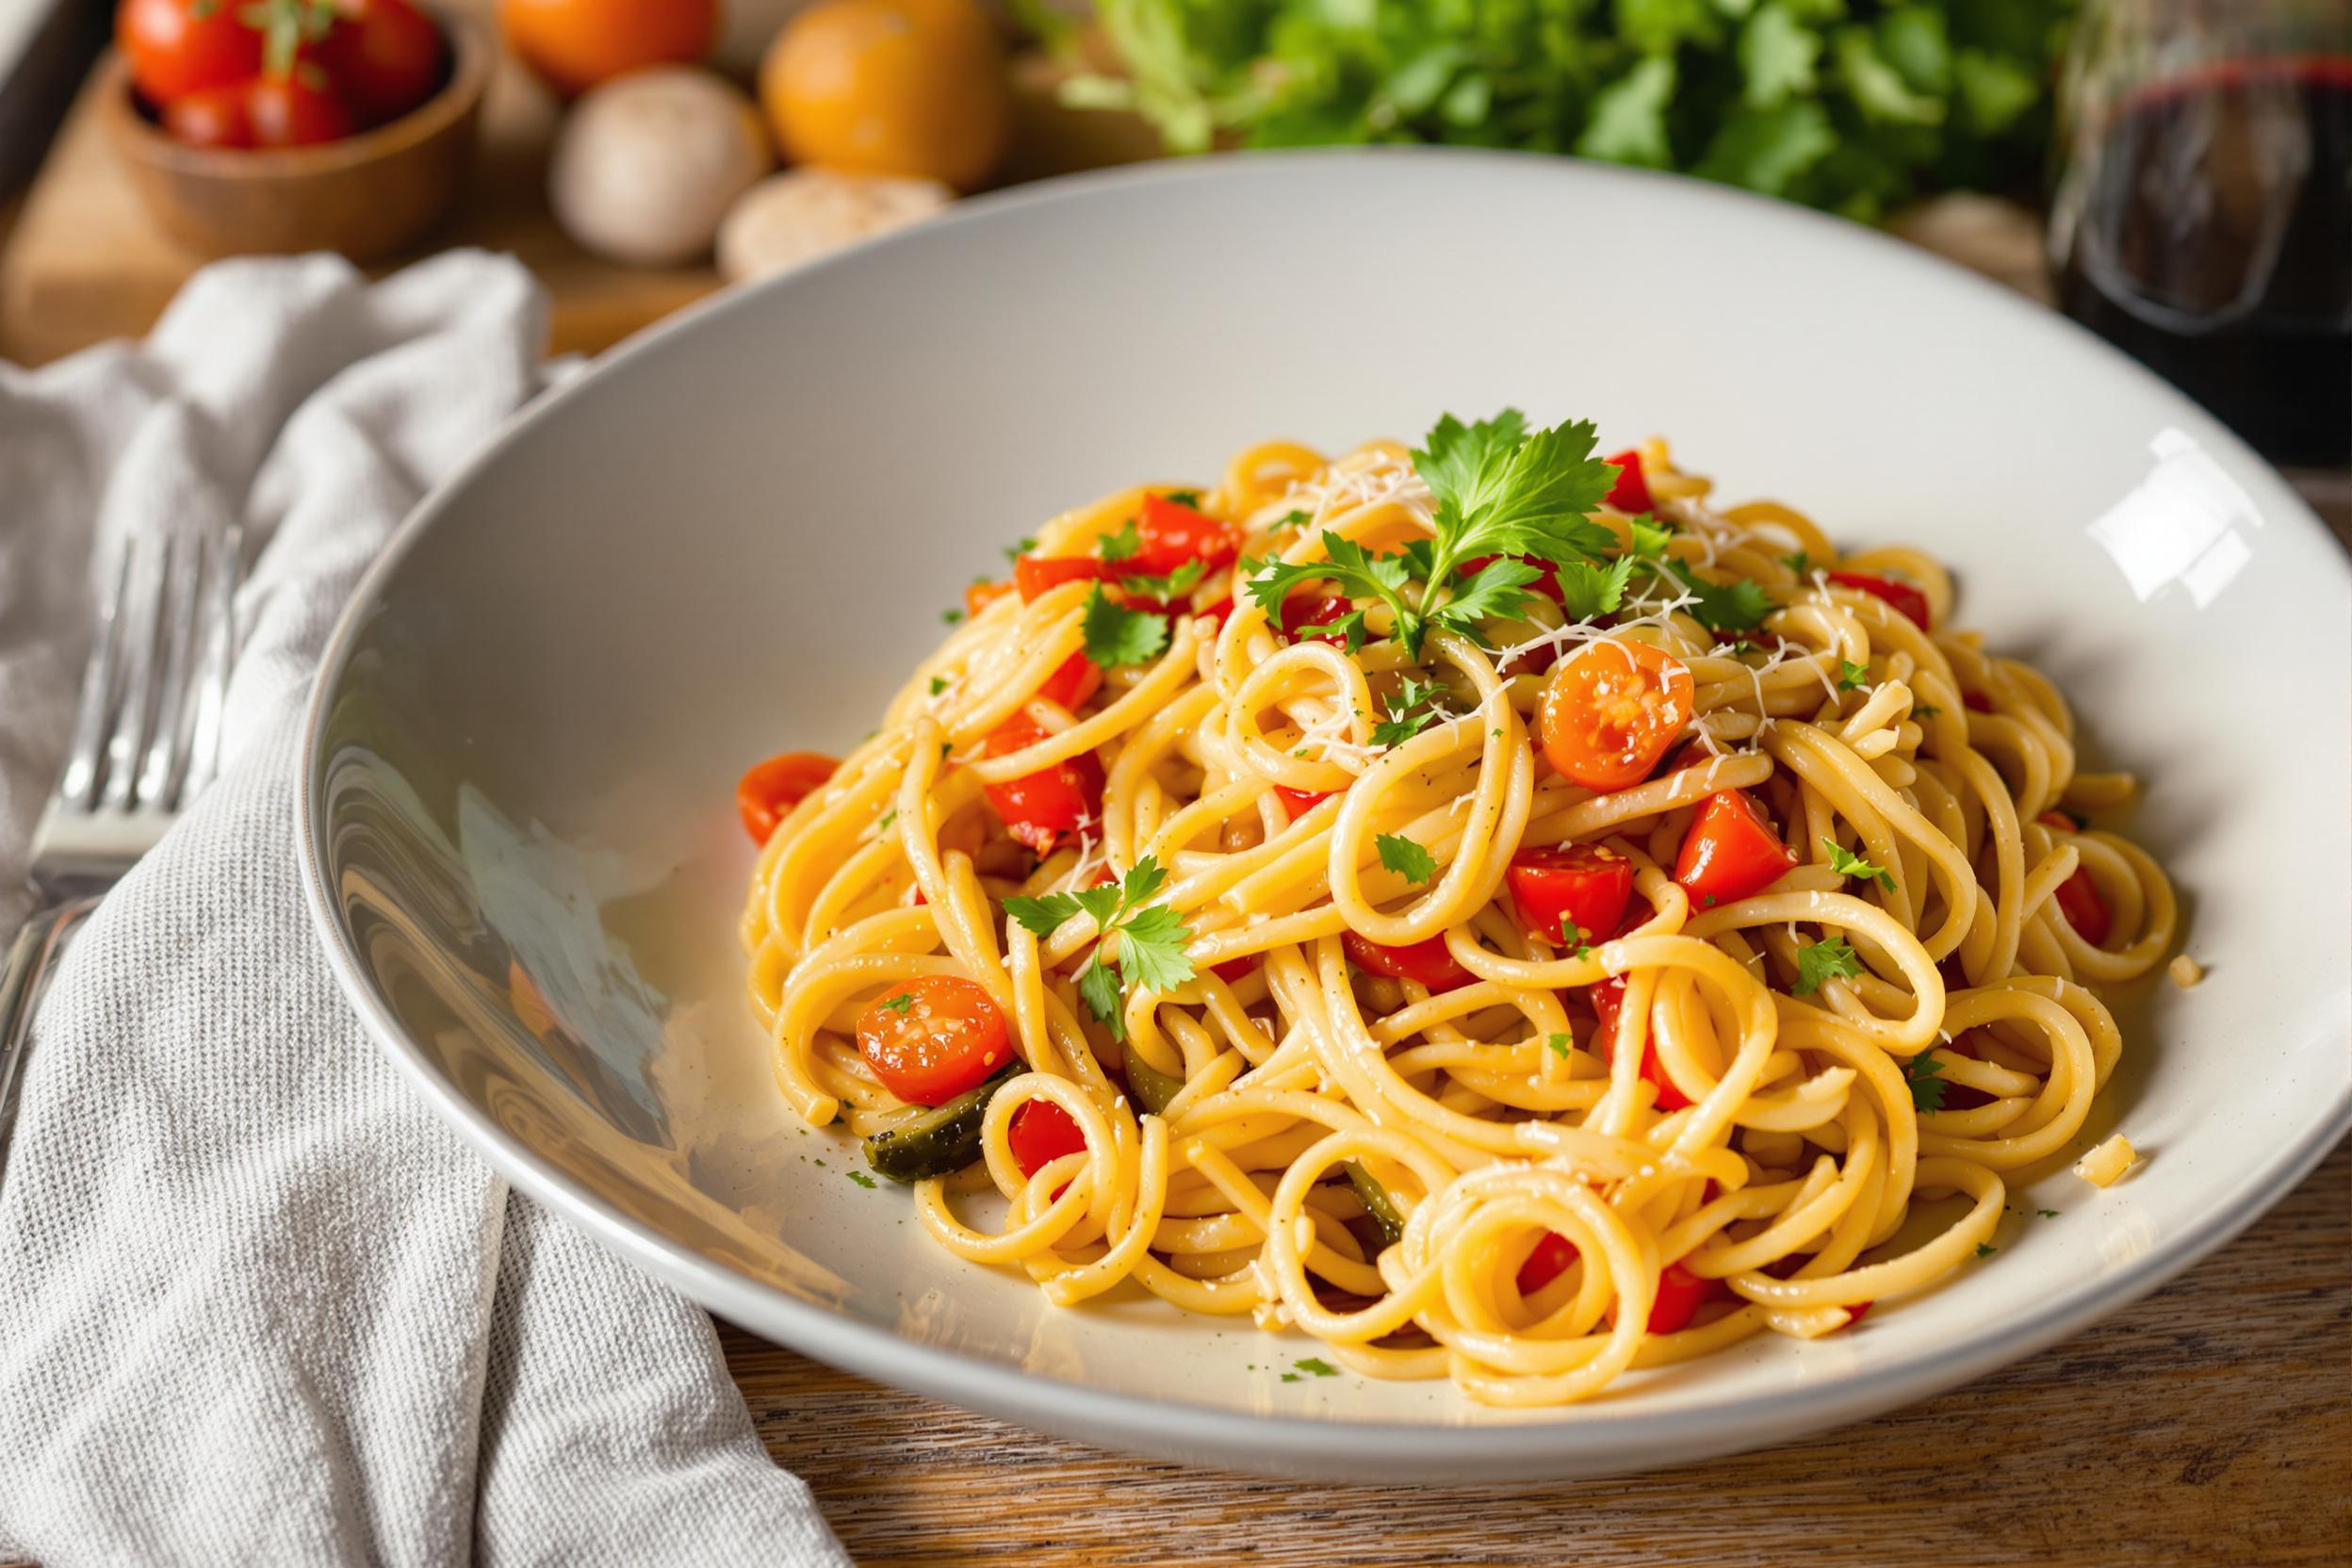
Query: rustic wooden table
(2208,1424)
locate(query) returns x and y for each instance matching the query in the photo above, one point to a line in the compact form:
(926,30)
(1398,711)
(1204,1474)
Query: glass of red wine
(2201,218)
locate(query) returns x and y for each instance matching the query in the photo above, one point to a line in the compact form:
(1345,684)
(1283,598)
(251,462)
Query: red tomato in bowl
(211,117)
(294,111)
(384,58)
(176,47)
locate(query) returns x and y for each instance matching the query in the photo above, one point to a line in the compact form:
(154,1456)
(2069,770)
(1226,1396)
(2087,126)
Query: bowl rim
(1621,1437)
(472,54)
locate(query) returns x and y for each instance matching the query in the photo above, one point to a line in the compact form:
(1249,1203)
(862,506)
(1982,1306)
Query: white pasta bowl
(735,537)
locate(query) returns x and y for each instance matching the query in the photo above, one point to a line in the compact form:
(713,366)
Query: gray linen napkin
(256,1304)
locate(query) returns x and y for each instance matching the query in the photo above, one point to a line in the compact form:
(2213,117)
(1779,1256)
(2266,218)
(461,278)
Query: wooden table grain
(2209,1424)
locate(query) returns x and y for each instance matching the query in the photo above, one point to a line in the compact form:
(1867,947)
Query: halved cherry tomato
(1680,1294)
(1218,610)
(983,593)
(1900,594)
(1238,969)
(1304,613)
(1730,851)
(211,117)
(1587,883)
(176,47)
(1855,1313)
(294,112)
(1610,713)
(383,57)
(933,1037)
(1631,493)
(1427,962)
(1174,533)
(1608,998)
(1037,808)
(1042,1132)
(1037,575)
(773,787)
(2077,896)
(1548,1262)
(1078,679)
(1300,802)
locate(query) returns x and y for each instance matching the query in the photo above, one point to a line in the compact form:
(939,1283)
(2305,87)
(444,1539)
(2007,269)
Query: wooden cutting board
(86,262)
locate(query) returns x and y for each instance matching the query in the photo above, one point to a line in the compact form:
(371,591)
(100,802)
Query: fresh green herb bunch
(1855,106)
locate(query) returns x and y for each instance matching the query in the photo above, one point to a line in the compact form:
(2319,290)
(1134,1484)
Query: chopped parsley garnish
(1925,710)
(1985,1249)
(1845,862)
(1825,960)
(1403,722)
(1317,1365)
(1924,1075)
(902,1003)
(1290,1376)
(1118,635)
(938,684)
(1650,533)
(1150,944)
(887,816)
(1739,606)
(1574,938)
(1851,676)
(1742,646)
(1590,591)
(1174,586)
(1185,498)
(2047,1214)
(862,1179)
(1020,546)
(951,616)
(1406,857)
(1558,1044)
(1800,564)
(1122,544)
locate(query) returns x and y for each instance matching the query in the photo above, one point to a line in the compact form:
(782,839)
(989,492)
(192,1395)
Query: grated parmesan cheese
(2104,1167)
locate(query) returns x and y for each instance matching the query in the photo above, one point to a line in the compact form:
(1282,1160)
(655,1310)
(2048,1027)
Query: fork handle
(30,959)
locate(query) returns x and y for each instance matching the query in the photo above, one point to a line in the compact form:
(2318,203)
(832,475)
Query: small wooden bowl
(368,196)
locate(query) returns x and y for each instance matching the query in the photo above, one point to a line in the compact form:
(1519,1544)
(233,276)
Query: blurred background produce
(628,144)
(1856,106)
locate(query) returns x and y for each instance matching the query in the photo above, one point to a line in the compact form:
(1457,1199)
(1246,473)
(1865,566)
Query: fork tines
(147,732)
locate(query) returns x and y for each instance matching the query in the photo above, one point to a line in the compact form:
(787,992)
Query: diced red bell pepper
(1300,802)
(1730,851)
(1042,1132)
(1902,596)
(1038,575)
(1037,808)
(1428,963)
(1304,613)
(1078,679)
(1173,533)
(1631,493)
(2077,896)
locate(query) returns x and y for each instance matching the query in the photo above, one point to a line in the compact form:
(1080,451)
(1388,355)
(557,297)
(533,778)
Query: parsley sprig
(1500,491)
(1924,1075)
(1845,862)
(1406,857)
(1150,950)
(1118,635)
(1832,960)
(1413,710)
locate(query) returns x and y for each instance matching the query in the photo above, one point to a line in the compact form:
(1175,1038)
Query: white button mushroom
(646,165)
(790,219)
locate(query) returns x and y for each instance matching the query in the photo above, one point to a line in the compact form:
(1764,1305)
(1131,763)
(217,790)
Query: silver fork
(146,738)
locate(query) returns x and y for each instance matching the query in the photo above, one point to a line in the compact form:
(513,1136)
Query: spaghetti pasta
(1512,975)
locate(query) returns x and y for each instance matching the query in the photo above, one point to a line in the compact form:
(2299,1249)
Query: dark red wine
(2212,242)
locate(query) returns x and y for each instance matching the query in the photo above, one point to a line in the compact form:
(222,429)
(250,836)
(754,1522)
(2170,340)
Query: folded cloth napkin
(256,1304)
